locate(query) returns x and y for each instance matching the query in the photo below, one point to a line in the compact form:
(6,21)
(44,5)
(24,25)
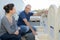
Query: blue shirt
(22,16)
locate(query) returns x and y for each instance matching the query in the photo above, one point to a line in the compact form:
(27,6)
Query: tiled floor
(42,33)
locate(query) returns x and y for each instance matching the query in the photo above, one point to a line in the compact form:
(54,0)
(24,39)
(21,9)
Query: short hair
(8,7)
(28,5)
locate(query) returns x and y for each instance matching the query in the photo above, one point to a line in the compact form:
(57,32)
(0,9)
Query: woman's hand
(17,32)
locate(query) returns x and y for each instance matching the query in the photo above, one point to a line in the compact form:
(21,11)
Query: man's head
(28,8)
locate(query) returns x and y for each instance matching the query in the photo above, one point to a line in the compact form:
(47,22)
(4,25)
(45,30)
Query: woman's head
(9,8)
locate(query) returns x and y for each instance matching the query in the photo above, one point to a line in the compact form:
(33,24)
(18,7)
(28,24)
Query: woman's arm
(7,26)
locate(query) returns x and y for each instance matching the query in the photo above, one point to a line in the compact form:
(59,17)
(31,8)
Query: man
(23,20)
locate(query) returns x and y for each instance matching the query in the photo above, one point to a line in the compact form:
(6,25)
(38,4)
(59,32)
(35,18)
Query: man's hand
(17,32)
(34,32)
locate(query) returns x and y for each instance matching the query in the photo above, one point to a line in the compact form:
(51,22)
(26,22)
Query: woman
(8,29)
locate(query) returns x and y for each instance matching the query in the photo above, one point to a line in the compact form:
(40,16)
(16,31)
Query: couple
(9,29)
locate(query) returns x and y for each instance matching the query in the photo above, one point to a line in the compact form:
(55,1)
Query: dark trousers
(7,36)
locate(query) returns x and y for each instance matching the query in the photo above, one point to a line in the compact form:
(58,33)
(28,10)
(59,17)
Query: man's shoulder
(22,12)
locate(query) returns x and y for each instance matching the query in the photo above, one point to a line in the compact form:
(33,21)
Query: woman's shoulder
(3,18)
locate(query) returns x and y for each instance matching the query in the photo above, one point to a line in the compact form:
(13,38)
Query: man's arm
(36,14)
(39,14)
(28,24)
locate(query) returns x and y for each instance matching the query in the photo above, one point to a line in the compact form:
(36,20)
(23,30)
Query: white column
(58,21)
(53,20)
